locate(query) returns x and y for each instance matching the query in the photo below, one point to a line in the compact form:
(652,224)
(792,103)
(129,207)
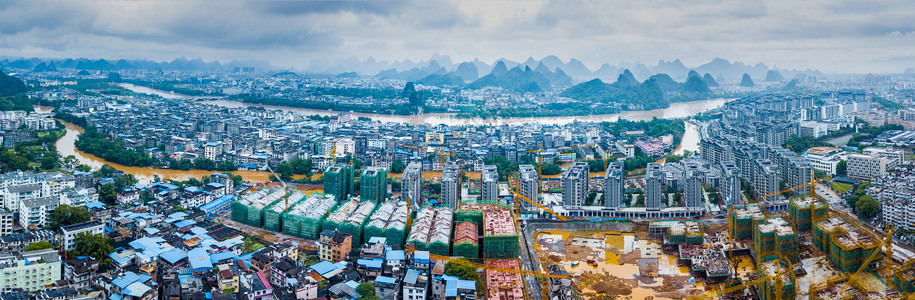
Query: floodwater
(676,110)
(66,146)
(690,139)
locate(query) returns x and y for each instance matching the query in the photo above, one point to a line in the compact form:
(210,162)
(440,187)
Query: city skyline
(850,37)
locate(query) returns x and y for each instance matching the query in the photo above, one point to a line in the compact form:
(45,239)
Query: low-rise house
(335,245)
(387,287)
(68,233)
(415,285)
(80,273)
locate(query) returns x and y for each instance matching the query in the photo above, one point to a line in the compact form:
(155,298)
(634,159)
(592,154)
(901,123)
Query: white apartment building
(36,211)
(68,233)
(30,270)
(874,162)
(824,158)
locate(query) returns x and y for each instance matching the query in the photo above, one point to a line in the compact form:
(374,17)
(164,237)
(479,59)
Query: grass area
(842,188)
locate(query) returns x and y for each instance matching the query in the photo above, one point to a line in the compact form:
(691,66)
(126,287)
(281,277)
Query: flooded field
(607,264)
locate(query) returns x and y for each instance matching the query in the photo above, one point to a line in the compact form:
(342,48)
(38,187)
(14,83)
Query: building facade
(575,185)
(614,195)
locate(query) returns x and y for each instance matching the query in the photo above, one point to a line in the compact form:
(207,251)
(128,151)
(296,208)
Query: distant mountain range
(719,68)
(179,64)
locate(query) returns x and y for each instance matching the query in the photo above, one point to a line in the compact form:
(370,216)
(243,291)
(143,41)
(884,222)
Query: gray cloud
(841,36)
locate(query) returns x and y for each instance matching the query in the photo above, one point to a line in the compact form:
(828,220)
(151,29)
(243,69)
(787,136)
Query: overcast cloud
(830,35)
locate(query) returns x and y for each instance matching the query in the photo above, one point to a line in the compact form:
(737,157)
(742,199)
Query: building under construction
(338,181)
(431,230)
(805,210)
(389,221)
(846,244)
(466,240)
(775,238)
(904,279)
(350,217)
(504,285)
(473,212)
(775,287)
(249,209)
(677,232)
(832,289)
(500,237)
(742,220)
(305,218)
(711,263)
(273,216)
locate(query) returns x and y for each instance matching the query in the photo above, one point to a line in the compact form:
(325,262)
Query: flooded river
(677,110)
(66,147)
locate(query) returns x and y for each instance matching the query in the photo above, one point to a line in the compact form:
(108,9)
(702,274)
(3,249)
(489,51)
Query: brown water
(66,147)
(676,110)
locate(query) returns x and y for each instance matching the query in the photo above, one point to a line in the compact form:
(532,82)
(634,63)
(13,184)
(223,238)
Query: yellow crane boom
(887,241)
(462,261)
(561,218)
(811,183)
(745,284)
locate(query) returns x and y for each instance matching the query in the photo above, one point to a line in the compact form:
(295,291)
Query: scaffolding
(305,219)
(389,221)
(350,217)
(689,232)
(273,217)
(847,245)
(743,219)
(473,212)
(503,285)
(500,237)
(249,209)
(830,290)
(904,279)
(775,287)
(774,237)
(431,230)
(466,240)
(804,210)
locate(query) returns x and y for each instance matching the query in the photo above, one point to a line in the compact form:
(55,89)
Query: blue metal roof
(370,263)
(215,203)
(394,255)
(123,281)
(173,256)
(199,259)
(324,267)
(185,223)
(411,276)
(220,256)
(95,204)
(386,280)
(421,256)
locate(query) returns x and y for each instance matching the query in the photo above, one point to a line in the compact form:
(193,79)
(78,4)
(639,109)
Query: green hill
(11,97)
(518,80)
(648,95)
(666,83)
(695,84)
(449,79)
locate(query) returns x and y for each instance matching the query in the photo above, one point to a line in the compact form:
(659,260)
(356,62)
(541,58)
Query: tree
(107,195)
(105,171)
(48,162)
(397,166)
(550,169)
(463,272)
(95,245)
(64,215)
(38,246)
(366,289)
(867,206)
(841,168)
(819,174)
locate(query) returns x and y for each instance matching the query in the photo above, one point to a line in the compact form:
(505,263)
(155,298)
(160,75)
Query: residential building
(730,191)
(451,186)
(813,129)
(614,195)
(35,212)
(338,181)
(335,245)
(415,285)
(490,178)
(654,176)
(575,187)
(412,183)
(374,184)
(692,188)
(530,185)
(68,233)
(80,273)
(825,159)
(30,270)
(873,162)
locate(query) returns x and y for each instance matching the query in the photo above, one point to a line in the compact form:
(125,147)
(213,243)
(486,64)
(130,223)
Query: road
(531,284)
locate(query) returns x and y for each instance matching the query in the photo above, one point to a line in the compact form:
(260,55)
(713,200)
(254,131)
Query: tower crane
(285,187)
(887,242)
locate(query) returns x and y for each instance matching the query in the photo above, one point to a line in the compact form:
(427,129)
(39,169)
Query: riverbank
(676,110)
(66,146)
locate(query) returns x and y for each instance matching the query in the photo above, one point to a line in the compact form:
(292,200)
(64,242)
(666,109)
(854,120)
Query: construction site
(807,250)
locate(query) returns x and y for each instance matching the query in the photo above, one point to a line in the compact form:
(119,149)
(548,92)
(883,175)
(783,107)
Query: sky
(835,36)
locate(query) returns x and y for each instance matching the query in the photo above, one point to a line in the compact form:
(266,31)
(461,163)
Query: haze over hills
(558,72)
